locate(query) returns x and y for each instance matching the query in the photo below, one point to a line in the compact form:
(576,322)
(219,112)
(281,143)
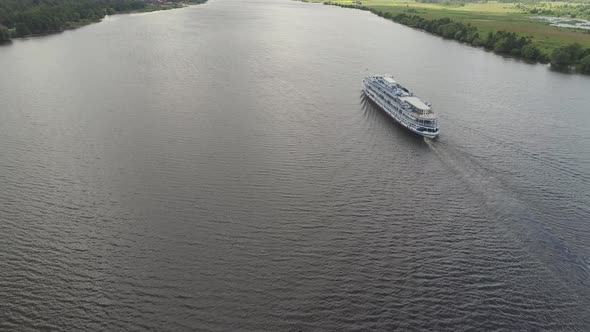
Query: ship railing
(427,116)
(429,124)
(417,124)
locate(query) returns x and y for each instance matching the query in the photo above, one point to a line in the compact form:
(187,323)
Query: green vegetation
(584,64)
(4,34)
(19,18)
(558,9)
(502,27)
(571,55)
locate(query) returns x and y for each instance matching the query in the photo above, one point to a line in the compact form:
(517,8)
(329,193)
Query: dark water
(215,168)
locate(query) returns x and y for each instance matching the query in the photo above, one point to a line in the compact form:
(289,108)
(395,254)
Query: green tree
(22,30)
(561,58)
(576,50)
(448,30)
(502,45)
(566,56)
(584,66)
(476,41)
(530,52)
(4,34)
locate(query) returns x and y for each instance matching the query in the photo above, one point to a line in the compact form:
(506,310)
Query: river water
(216,168)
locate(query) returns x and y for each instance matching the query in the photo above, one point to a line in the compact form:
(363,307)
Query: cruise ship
(401,105)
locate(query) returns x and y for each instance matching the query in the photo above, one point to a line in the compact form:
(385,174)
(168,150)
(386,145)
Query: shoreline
(525,50)
(80,24)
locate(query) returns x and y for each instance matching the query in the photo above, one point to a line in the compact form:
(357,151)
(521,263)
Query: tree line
(500,42)
(20,18)
(573,10)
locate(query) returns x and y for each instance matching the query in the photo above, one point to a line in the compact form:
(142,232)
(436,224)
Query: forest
(19,18)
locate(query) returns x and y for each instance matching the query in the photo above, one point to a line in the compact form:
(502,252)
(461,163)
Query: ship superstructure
(401,105)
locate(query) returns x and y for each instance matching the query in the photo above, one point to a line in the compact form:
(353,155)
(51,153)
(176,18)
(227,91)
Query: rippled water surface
(216,168)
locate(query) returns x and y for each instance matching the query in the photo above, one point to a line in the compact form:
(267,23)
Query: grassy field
(487,16)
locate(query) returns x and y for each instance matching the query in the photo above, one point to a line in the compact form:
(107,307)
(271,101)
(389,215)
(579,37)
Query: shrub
(584,66)
(4,34)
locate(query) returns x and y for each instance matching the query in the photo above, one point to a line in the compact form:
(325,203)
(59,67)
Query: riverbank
(497,27)
(39,18)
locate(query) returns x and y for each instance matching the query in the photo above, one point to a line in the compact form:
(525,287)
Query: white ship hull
(398,114)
